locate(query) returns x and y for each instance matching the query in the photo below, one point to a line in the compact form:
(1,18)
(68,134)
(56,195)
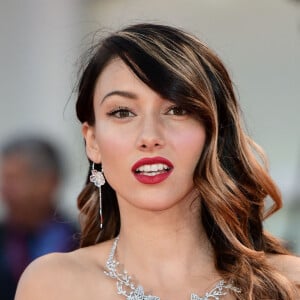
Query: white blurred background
(259,41)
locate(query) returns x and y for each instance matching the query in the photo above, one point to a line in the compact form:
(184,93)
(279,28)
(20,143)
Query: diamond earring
(97,178)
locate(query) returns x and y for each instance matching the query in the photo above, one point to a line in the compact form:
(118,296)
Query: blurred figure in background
(30,174)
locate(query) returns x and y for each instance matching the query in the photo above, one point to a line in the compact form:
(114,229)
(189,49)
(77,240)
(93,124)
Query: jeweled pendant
(139,294)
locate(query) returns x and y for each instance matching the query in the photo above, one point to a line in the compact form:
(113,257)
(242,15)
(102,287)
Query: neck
(165,243)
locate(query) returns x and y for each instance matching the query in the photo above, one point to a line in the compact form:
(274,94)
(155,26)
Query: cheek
(113,143)
(115,149)
(190,146)
(191,142)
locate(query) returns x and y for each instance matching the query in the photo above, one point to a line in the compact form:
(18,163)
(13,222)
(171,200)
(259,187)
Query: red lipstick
(152,170)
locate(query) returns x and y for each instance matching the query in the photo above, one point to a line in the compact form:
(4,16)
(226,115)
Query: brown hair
(231,176)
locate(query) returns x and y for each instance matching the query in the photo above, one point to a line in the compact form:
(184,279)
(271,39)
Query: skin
(161,240)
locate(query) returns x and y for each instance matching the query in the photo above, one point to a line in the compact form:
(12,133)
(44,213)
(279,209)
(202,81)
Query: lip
(156,178)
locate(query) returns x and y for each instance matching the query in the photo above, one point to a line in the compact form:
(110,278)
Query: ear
(91,145)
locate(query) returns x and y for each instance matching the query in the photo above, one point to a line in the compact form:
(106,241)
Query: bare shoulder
(288,265)
(47,270)
(76,275)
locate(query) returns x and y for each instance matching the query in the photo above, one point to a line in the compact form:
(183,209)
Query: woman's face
(148,146)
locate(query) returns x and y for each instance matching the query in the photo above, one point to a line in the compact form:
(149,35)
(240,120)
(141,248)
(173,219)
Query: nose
(151,135)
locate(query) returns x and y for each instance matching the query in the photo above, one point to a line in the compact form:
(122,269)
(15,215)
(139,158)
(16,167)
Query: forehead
(115,69)
(116,75)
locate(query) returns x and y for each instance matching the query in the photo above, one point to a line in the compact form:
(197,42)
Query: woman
(176,193)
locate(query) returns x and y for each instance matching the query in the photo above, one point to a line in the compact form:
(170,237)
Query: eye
(177,111)
(121,113)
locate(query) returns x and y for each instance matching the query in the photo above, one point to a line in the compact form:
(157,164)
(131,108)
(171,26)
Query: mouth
(152,170)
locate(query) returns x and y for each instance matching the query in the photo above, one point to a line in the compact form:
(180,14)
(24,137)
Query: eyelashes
(176,110)
(123,112)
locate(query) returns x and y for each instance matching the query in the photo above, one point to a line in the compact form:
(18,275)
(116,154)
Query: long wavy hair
(231,175)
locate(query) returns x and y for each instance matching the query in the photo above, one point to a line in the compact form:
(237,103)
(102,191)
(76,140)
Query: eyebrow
(125,94)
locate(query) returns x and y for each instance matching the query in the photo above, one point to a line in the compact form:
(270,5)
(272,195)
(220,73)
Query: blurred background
(259,41)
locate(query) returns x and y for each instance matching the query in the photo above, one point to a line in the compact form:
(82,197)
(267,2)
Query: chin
(155,205)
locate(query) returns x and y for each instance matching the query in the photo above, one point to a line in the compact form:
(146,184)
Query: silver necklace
(130,291)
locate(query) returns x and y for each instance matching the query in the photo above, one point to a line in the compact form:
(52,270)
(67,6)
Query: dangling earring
(97,178)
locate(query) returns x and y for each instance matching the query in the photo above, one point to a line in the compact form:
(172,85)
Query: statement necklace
(128,289)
